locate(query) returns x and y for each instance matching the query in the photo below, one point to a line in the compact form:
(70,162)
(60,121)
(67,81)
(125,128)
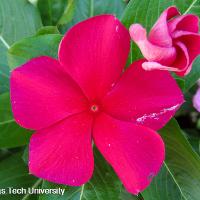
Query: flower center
(94,108)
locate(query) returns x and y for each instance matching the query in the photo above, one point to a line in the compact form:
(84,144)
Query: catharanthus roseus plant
(85,97)
(173,42)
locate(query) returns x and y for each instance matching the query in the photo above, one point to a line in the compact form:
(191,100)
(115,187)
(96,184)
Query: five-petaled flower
(84,96)
(173,42)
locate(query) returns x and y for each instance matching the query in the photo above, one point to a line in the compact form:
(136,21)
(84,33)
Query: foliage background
(35,27)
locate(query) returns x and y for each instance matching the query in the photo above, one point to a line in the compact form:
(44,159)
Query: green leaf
(146,12)
(181,83)
(18,19)
(179,178)
(194,75)
(11,134)
(68,13)
(193,138)
(48,30)
(14,173)
(181,161)
(83,9)
(31,47)
(163,187)
(103,185)
(51,10)
(25,155)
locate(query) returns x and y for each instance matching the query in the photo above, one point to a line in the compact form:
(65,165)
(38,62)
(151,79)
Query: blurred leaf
(18,19)
(11,134)
(147,12)
(14,173)
(48,30)
(83,9)
(51,10)
(31,47)
(103,185)
(194,75)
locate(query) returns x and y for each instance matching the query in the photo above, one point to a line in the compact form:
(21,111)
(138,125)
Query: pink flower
(196,98)
(173,42)
(82,97)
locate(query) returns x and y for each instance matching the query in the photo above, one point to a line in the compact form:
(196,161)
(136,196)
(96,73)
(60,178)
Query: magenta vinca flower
(173,42)
(83,97)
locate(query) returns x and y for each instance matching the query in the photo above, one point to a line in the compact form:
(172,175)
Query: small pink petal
(196,100)
(187,22)
(94,52)
(62,153)
(182,62)
(159,34)
(150,98)
(192,43)
(42,94)
(136,153)
(150,51)
(148,66)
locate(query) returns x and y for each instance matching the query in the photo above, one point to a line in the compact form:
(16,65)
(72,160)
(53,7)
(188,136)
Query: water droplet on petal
(73,181)
(109,145)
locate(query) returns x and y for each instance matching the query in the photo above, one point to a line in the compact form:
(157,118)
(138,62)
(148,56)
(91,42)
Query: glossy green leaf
(103,185)
(181,83)
(48,30)
(31,47)
(68,12)
(18,19)
(83,9)
(11,134)
(14,173)
(26,155)
(179,178)
(163,187)
(146,12)
(51,10)
(193,138)
(181,161)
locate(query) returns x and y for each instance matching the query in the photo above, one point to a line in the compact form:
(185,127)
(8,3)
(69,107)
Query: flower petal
(149,98)
(159,34)
(154,65)
(182,61)
(135,152)
(192,43)
(164,55)
(62,153)
(42,94)
(187,22)
(94,52)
